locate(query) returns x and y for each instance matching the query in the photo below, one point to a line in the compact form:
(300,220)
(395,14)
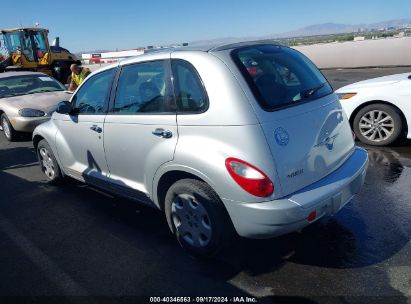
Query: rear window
(279,76)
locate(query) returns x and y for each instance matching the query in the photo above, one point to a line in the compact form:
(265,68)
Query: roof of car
(34,29)
(201,48)
(215,47)
(244,44)
(19,73)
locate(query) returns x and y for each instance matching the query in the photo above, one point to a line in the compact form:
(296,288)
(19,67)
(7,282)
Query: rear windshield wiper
(310,92)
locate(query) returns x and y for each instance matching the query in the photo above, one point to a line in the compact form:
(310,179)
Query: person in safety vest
(78,74)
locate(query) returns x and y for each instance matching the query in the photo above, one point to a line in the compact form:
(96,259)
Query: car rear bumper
(325,197)
(27,124)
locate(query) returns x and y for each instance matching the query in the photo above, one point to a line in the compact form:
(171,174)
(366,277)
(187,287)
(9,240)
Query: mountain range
(311,30)
(315,30)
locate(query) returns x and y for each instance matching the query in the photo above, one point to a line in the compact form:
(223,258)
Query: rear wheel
(378,124)
(196,216)
(66,76)
(48,163)
(61,71)
(8,129)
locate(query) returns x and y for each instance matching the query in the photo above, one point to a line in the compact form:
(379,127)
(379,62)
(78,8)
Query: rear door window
(279,76)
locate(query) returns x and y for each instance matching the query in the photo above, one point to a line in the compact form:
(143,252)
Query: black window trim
(253,87)
(207,103)
(169,93)
(107,97)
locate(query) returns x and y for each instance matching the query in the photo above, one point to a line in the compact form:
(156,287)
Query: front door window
(92,97)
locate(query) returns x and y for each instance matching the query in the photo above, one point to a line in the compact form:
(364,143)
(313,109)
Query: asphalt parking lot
(74,240)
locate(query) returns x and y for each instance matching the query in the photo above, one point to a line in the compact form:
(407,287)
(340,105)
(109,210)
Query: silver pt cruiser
(247,137)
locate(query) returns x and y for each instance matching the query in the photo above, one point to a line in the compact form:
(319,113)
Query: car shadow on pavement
(17,157)
(21,137)
(74,240)
(111,246)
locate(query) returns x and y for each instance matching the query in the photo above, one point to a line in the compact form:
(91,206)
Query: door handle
(96,128)
(162,133)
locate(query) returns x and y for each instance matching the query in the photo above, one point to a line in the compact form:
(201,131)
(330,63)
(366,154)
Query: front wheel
(8,129)
(48,163)
(378,124)
(197,217)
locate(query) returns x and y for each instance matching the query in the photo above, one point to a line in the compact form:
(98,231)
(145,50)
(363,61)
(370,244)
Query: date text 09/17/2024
(205,299)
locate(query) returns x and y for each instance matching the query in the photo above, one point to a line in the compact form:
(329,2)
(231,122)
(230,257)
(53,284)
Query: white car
(379,109)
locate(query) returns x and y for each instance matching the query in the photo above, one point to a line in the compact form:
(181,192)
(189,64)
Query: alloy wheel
(376,125)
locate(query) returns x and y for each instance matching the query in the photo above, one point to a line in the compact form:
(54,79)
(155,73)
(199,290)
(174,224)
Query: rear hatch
(308,145)
(306,129)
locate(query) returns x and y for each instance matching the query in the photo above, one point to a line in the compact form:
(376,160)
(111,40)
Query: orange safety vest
(78,78)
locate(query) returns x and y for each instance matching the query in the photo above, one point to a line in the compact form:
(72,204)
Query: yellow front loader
(28,49)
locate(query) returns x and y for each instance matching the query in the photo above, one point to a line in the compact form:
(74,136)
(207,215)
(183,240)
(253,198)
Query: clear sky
(91,24)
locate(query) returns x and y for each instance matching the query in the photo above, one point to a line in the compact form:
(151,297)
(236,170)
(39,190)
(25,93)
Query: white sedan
(379,109)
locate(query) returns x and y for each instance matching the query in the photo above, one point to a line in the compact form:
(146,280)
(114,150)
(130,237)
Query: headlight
(31,113)
(342,96)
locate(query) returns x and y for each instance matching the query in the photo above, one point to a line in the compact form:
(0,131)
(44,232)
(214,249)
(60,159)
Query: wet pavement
(74,240)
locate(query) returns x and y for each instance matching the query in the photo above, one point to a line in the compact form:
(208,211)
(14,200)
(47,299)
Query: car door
(80,141)
(140,131)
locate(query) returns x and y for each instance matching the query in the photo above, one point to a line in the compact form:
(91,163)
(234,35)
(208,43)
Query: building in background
(113,56)
(359,38)
(108,57)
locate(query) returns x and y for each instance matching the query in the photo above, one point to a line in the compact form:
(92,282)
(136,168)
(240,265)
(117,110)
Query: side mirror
(64,107)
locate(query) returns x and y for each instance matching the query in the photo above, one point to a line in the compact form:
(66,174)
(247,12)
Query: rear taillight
(250,178)
(312,216)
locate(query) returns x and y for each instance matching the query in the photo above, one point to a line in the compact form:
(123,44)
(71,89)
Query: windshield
(19,41)
(280,76)
(28,84)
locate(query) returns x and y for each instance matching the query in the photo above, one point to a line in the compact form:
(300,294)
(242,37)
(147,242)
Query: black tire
(48,165)
(65,74)
(396,130)
(61,71)
(222,231)
(8,130)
